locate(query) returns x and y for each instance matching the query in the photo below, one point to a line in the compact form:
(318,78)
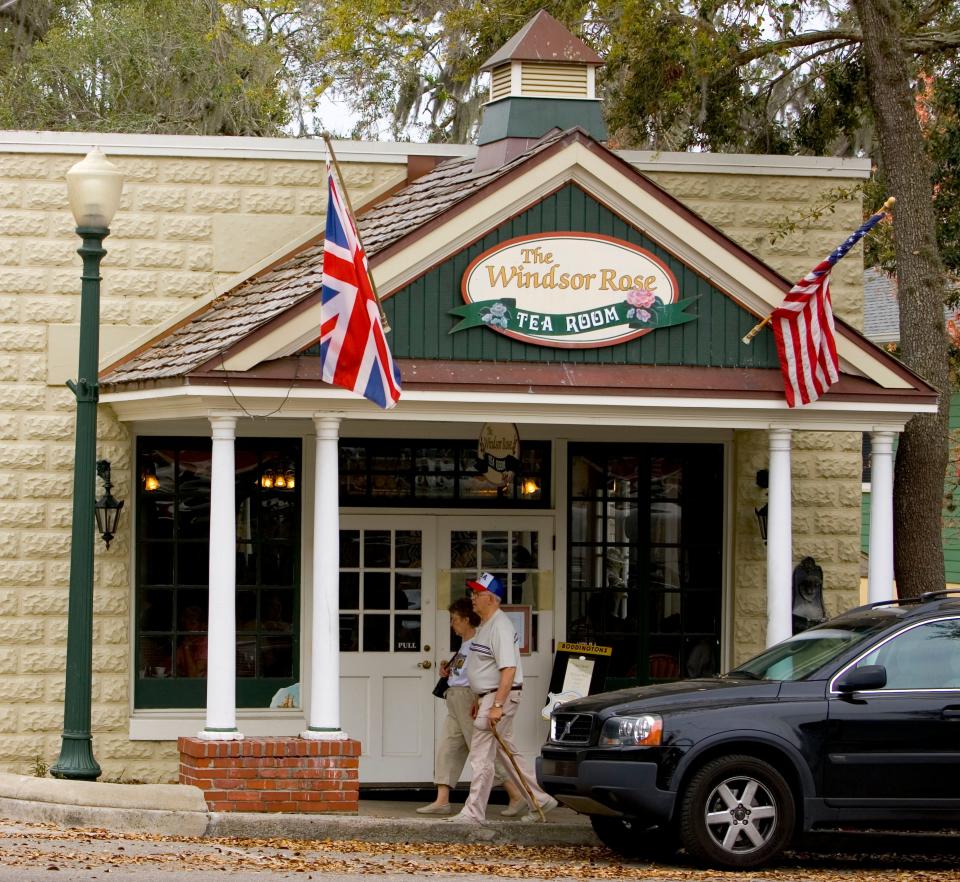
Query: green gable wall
(419,314)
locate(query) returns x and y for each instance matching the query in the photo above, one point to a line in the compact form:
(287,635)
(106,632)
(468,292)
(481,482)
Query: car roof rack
(937,595)
(896,601)
(926,597)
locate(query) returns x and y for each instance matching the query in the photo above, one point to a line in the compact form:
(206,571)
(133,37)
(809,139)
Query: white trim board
(169,725)
(182,402)
(314,150)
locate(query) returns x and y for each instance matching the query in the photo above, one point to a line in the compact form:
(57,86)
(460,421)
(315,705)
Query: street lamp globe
(94,186)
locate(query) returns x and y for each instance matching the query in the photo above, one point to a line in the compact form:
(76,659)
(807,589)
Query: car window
(926,656)
(802,654)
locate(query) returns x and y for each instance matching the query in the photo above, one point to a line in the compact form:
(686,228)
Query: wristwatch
(498,704)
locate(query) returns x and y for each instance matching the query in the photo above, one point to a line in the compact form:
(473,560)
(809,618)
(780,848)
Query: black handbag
(440,690)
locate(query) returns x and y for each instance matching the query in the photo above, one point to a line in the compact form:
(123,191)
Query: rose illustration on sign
(496,313)
(570,290)
(639,301)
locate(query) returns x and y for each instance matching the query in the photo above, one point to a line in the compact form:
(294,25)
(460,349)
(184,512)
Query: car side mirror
(860,679)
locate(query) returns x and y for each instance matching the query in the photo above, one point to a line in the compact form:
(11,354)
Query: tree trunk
(922,453)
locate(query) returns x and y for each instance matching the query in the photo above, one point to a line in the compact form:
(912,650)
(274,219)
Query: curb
(168,809)
(179,810)
(341,827)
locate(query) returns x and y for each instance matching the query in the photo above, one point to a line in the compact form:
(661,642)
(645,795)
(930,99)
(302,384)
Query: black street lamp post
(94,186)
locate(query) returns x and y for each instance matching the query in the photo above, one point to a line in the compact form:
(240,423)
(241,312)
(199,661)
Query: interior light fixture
(151,483)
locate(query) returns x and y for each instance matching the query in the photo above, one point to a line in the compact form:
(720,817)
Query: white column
(779,540)
(221,724)
(880,575)
(323,712)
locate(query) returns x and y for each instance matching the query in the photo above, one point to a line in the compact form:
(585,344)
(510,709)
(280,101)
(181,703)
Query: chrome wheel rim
(741,815)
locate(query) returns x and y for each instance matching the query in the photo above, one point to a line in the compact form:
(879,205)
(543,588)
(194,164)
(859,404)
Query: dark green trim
(518,117)
(186,493)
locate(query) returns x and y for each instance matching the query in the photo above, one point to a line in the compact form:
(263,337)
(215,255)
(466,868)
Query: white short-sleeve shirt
(458,667)
(495,646)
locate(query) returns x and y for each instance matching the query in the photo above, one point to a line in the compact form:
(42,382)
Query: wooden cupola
(542,78)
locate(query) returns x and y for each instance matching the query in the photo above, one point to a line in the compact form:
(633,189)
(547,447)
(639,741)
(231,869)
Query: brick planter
(273,774)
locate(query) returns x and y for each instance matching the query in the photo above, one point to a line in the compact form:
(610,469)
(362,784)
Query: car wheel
(737,812)
(632,838)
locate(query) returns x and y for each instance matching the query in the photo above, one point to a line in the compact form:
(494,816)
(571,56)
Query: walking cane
(516,768)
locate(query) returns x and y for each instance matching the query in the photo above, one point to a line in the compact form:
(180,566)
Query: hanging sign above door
(570,290)
(498,451)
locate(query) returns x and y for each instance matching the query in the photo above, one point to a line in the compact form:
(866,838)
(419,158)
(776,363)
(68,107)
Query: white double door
(398,574)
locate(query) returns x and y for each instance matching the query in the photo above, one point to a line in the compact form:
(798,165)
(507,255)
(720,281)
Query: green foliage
(944,147)
(176,66)
(39,767)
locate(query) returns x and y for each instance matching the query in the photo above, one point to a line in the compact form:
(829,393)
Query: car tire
(737,811)
(632,838)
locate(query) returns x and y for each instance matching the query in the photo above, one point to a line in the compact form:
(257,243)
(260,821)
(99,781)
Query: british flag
(353,347)
(804,331)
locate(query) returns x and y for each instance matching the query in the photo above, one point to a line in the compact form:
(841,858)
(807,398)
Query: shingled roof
(225,321)
(543,38)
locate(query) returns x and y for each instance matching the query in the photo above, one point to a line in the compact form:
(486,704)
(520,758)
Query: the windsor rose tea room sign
(571,290)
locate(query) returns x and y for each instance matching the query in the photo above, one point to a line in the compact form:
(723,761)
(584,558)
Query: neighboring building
(630,520)
(881,324)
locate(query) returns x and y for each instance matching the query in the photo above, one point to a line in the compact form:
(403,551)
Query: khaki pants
(454,744)
(485,751)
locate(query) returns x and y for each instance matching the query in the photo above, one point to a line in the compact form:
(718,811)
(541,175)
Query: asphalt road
(33,852)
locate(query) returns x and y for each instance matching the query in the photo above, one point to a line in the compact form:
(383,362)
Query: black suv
(855,722)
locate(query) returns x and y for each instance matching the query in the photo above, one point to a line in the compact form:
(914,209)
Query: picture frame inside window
(521,616)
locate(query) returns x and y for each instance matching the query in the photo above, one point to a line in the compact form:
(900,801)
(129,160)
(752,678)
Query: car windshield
(799,656)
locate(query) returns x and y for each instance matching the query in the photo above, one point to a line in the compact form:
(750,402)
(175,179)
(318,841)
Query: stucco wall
(185,225)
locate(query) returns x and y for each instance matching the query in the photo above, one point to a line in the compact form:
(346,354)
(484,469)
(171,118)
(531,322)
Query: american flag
(804,331)
(353,348)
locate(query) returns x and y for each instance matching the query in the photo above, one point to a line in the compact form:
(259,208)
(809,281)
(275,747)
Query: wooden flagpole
(757,328)
(346,196)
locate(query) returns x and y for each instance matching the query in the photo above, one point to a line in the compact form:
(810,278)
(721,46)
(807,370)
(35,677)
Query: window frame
(641,595)
(461,447)
(188,693)
(833,692)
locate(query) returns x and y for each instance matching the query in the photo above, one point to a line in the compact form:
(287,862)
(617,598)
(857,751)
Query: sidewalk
(180,810)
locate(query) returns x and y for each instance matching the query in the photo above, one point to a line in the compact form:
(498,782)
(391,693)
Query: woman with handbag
(454,744)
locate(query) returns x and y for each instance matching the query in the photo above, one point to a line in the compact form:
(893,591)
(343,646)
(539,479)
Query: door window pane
(376,548)
(407,633)
(463,550)
(376,633)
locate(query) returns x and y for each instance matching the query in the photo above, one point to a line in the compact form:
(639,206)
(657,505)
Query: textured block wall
(826,465)
(187,224)
(178,233)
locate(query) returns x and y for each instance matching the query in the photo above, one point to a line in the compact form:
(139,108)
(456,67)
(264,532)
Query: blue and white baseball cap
(488,582)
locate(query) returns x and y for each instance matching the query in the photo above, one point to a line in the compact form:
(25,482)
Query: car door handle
(951,713)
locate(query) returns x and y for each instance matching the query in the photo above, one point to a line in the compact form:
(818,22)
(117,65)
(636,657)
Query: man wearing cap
(496,679)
